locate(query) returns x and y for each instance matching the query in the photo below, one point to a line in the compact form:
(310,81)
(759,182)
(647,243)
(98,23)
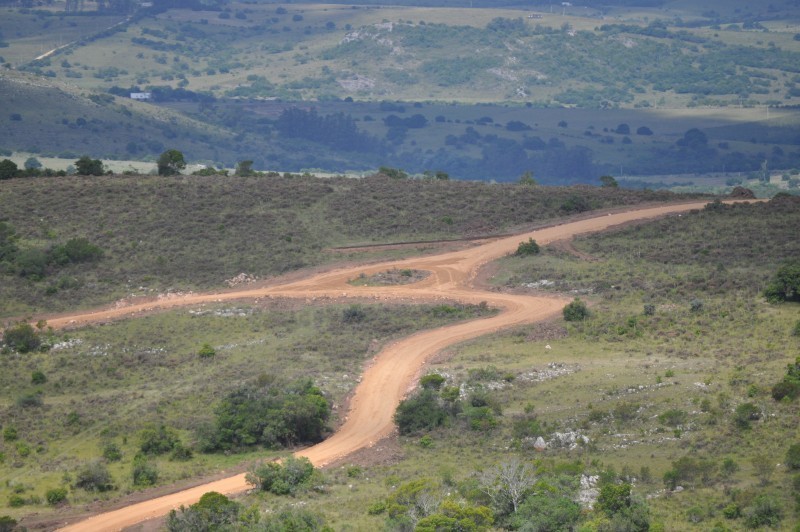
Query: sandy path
(393,370)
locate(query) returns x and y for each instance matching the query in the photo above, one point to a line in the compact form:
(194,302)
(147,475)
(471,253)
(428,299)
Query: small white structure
(141,95)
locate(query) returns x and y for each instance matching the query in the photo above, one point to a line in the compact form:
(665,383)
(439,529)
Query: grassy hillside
(652,391)
(313,51)
(189,233)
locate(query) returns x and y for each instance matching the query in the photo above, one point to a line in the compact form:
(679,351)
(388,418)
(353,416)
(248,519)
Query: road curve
(392,372)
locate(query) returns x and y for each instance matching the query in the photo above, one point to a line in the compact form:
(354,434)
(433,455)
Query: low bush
(288,478)
(576,311)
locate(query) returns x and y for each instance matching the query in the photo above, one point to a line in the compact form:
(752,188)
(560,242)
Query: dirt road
(394,370)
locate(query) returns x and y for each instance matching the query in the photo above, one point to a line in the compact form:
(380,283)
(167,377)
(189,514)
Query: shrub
(213,511)
(10,434)
(22,338)
(432,381)
(744,414)
(7,523)
(790,385)
(765,511)
(673,417)
(527,248)
(649,310)
(206,351)
(30,400)
(76,250)
(94,476)
(38,377)
(353,314)
(158,440)
(112,452)
(793,456)
(55,496)
(419,412)
(270,413)
(143,472)
(288,478)
(785,286)
(576,311)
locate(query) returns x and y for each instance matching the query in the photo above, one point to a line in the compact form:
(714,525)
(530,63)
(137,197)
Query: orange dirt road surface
(393,371)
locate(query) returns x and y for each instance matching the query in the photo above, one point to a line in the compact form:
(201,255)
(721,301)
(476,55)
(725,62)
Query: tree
(576,310)
(623,129)
(244,168)
(508,484)
(8,169)
(143,472)
(608,181)
(171,162)
(32,163)
(785,286)
(527,179)
(88,166)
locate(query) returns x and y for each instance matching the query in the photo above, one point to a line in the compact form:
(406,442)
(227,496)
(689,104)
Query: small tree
(32,163)
(608,181)
(171,162)
(88,166)
(785,286)
(576,311)
(8,169)
(527,179)
(244,168)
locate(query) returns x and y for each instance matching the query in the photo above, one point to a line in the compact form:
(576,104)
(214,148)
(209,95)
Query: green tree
(744,414)
(576,310)
(32,163)
(8,169)
(88,166)
(432,381)
(171,162)
(765,511)
(608,181)
(785,286)
(38,377)
(244,168)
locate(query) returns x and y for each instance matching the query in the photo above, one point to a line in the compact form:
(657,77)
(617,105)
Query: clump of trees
(35,263)
(436,405)
(22,338)
(268,412)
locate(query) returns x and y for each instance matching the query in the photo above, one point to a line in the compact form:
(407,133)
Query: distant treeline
(488,3)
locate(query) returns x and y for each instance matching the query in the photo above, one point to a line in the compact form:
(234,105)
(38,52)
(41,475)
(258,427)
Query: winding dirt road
(393,371)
